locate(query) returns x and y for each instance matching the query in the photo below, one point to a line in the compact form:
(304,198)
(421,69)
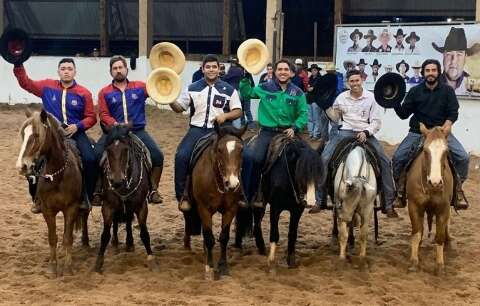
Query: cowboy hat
(375,63)
(168,55)
(390,90)
(360,34)
(362,62)
(399,33)
(412,35)
(455,41)
(163,85)
(325,90)
(314,66)
(402,62)
(349,63)
(253,55)
(15,46)
(385,32)
(417,65)
(330,67)
(370,34)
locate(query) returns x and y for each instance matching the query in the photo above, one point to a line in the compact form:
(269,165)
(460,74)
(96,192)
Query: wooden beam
(226,28)
(145,27)
(104,37)
(477,11)
(339,12)
(272,27)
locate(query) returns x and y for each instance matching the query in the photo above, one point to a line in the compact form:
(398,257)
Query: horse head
(435,150)
(228,154)
(38,132)
(117,154)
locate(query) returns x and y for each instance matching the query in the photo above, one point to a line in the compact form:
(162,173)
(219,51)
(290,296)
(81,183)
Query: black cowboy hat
(356,32)
(370,34)
(399,32)
(375,63)
(390,90)
(347,63)
(314,66)
(455,41)
(403,62)
(412,35)
(362,62)
(15,46)
(325,90)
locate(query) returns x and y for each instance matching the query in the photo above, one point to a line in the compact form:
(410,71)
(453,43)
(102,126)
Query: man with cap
(123,101)
(210,100)
(416,78)
(355,36)
(282,109)
(432,103)
(301,73)
(361,68)
(72,105)
(454,52)
(375,67)
(361,118)
(412,40)
(369,37)
(399,48)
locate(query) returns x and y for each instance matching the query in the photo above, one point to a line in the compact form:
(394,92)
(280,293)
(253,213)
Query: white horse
(355,191)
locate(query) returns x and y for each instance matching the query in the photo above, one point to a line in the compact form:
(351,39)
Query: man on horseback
(282,109)
(433,104)
(123,101)
(72,105)
(360,118)
(209,99)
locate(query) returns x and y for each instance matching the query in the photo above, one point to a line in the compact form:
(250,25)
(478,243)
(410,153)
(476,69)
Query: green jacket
(277,108)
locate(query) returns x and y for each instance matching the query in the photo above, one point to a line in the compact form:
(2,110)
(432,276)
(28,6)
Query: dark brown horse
(126,184)
(59,180)
(215,187)
(430,190)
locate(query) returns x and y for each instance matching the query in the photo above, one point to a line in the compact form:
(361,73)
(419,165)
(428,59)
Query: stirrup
(154,197)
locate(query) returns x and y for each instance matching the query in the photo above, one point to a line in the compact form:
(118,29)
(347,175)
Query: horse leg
(274,237)
(52,241)
(292,236)
(208,241)
(70,215)
(227,218)
(145,236)
(258,214)
(241,221)
(84,220)
(130,247)
(365,221)
(343,235)
(351,238)
(441,222)
(107,223)
(416,218)
(334,241)
(115,235)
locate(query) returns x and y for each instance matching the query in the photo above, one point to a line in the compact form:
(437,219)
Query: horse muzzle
(232,183)
(436,184)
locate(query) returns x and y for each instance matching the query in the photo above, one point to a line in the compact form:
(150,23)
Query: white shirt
(358,114)
(206,102)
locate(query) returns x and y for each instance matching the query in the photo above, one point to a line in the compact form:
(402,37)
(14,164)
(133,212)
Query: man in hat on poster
(355,36)
(454,52)
(399,48)
(361,68)
(416,78)
(384,40)
(375,67)
(402,68)
(369,37)
(412,40)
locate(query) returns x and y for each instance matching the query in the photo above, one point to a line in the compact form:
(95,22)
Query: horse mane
(37,119)
(117,132)
(309,164)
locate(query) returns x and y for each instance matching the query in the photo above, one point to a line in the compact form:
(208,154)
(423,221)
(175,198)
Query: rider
(72,105)
(360,118)
(434,104)
(123,101)
(209,99)
(282,109)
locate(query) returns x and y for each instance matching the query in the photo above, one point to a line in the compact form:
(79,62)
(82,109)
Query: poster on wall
(377,49)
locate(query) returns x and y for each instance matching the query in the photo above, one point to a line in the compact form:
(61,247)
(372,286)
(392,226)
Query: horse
(215,187)
(355,193)
(126,187)
(59,181)
(430,189)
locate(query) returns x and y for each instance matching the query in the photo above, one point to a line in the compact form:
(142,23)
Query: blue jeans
(89,162)
(183,156)
(407,148)
(313,120)
(385,165)
(254,156)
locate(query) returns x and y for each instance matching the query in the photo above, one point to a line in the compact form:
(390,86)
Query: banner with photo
(377,49)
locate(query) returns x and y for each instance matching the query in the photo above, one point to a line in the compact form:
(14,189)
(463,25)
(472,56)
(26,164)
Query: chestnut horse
(430,188)
(59,180)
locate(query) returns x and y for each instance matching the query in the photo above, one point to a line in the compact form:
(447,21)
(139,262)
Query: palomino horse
(126,184)
(215,187)
(355,191)
(59,181)
(429,189)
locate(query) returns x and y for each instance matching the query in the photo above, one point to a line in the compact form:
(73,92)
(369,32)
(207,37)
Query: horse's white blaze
(230,146)
(233,181)
(436,147)
(310,196)
(27,132)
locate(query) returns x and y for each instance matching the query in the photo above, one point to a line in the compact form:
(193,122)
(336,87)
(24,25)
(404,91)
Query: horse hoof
(223,270)
(210,275)
(291,262)
(440,270)
(413,268)
(52,270)
(67,271)
(152,264)
(130,248)
(262,251)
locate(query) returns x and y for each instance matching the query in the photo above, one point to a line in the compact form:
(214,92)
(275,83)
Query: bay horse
(126,186)
(215,187)
(430,189)
(59,181)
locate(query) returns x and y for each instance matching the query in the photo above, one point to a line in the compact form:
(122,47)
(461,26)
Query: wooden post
(226,28)
(315,27)
(104,37)
(477,11)
(339,12)
(145,27)
(272,20)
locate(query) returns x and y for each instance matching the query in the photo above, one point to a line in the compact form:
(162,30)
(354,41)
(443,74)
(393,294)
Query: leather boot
(461,203)
(97,194)
(36,207)
(155,196)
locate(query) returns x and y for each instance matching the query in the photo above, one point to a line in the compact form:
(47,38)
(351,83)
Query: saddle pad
(200,146)
(275,149)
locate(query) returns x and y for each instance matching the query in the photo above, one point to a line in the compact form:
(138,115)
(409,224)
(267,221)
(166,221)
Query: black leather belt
(275,129)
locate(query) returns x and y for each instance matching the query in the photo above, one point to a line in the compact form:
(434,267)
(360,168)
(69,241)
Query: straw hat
(168,55)
(253,55)
(163,85)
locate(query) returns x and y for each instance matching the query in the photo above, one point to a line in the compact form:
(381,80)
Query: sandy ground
(317,281)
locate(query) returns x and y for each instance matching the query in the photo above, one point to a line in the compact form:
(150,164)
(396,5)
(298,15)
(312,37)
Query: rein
(49,177)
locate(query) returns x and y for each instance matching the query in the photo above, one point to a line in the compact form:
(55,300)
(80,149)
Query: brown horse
(59,180)
(430,189)
(215,187)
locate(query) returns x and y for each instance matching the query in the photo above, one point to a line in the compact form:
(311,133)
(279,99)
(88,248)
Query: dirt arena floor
(317,281)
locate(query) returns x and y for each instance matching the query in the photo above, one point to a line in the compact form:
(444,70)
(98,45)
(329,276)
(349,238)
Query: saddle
(275,150)
(200,146)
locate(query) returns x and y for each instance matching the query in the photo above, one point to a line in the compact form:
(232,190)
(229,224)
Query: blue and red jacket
(114,105)
(78,107)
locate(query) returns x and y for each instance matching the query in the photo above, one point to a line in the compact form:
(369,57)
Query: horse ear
(423,129)
(43,116)
(28,112)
